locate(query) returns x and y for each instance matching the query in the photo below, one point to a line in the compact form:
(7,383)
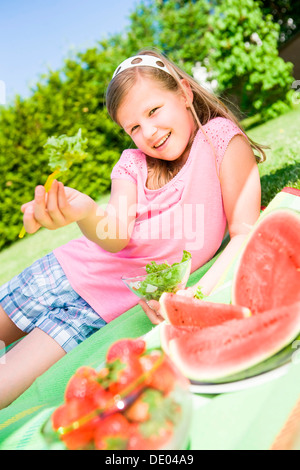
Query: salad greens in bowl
(151,281)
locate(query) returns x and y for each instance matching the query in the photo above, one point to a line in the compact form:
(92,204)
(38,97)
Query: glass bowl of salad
(149,282)
(137,400)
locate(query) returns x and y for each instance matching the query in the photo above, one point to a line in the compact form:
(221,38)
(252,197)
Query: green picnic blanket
(242,419)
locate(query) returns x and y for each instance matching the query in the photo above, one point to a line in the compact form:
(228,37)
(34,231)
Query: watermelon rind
(267,273)
(277,360)
(222,351)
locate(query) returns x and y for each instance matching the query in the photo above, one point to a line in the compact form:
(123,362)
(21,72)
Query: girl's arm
(241,192)
(110,228)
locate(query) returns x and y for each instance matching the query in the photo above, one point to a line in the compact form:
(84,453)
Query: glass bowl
(151,285)
(144,409)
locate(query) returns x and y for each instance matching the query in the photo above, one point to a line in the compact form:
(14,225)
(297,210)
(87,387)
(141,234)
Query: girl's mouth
(162,141)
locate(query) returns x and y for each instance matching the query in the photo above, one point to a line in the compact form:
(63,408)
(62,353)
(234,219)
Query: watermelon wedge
(170,332)
(268,271)
(204,355)
(179,310)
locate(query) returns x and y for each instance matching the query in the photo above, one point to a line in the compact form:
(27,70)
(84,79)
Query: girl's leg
(9,332)
(25,362)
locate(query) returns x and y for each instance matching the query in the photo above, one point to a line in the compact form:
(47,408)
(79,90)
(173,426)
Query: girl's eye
(150,114)
(133,129)
(152,111)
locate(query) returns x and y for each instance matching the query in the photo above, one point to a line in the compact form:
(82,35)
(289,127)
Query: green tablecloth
(247,419)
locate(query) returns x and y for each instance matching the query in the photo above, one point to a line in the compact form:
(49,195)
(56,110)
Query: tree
(287,14)
(242,49)
(236,44)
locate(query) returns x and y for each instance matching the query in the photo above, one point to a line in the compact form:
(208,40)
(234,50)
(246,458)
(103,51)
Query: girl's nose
(149,130)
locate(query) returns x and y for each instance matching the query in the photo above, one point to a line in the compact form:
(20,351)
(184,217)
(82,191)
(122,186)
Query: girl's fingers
(61,196)
(53,206)
(63,204)
(29,221)
(48,209)
(152,310)
(188,292)
(40,213)
(24,206)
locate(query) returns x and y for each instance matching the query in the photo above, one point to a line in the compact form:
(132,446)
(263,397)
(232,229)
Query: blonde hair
(204,107)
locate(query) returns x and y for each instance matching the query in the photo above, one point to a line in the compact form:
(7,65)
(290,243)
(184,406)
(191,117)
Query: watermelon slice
(268,272)
(204,355)
(169,332)
(188,311)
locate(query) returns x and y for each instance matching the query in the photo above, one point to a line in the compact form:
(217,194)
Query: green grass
(282,168)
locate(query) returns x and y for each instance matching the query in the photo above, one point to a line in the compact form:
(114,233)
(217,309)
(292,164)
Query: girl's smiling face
(159,121)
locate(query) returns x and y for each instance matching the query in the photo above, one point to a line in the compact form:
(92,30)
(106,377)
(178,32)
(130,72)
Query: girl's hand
(152,310)
(152,307)
(59,207)
(188,292)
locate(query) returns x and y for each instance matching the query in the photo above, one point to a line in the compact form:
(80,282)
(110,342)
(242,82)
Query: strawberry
(103,399)
(124,348)
(82,384)
(69,413)
(154,431)
(164,377)
(112,433)
(139,441)
(138,411)
(86,383)
(122,374)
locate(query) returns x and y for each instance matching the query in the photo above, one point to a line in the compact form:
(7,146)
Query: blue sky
(38,34)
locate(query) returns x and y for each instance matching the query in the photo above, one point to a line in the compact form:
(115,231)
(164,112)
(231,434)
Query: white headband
(148,60)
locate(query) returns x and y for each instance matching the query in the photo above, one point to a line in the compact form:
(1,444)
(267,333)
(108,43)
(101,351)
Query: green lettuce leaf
(63,151)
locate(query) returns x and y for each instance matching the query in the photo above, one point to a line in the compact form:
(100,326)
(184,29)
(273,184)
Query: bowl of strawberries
(137,400)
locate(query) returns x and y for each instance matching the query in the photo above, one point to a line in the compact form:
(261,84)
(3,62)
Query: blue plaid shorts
(42,297)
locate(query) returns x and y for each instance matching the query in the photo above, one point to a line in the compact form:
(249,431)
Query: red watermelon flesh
(268,272)
(220,351)
(188,311)
(169,332)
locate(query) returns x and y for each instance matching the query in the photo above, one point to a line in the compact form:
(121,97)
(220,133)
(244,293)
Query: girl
(192,177)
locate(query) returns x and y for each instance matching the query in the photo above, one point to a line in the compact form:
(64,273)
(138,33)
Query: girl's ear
(187,92)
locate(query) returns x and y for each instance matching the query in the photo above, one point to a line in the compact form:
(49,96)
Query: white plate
(240,384)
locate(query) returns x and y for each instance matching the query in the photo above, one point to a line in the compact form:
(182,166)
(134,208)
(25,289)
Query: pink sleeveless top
(185,214)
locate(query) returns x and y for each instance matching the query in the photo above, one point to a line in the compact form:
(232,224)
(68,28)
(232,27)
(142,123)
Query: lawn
(282,168)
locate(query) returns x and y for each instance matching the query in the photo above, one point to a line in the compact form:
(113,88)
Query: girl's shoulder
(131,162)
(219,131)
(219,127)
